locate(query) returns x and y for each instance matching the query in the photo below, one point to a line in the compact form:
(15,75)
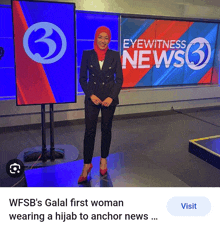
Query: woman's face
(102,40)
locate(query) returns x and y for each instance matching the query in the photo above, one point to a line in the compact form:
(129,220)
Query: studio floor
(154,147)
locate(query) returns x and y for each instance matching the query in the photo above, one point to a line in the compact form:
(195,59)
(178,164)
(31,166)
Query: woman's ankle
(103,160)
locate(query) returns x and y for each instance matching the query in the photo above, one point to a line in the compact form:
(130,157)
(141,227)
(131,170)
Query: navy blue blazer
(102,83)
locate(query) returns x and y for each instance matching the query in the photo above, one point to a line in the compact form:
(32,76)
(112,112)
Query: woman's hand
(95,100)
(107,102)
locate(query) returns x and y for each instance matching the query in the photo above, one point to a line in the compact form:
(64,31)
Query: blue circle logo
(198,53)
(45,43)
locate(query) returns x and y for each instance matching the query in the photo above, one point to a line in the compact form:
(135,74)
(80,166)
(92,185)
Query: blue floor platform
(207,149)
(67,174)
(123,171)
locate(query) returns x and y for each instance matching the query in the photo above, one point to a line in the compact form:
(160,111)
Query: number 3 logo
(48,27)
(202,41)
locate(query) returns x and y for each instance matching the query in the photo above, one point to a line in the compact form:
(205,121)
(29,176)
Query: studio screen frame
(45,52)
(164,52)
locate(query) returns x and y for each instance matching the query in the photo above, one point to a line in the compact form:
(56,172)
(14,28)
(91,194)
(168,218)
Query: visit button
(188,206)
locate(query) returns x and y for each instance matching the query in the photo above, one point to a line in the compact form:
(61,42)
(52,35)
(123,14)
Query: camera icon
(15,168)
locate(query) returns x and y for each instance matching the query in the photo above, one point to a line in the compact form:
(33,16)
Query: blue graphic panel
(6,29)
(7,56)
(87,23)
(7,85)
(7,72)
(201,51)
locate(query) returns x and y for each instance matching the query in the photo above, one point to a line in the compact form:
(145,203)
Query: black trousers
(91,118)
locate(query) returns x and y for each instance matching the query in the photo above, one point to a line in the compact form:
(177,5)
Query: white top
(101,64)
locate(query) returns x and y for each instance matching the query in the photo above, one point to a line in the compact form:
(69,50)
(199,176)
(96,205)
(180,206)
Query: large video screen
(167,52)
(45,52)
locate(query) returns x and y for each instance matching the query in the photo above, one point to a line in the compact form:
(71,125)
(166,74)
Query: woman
(101,93)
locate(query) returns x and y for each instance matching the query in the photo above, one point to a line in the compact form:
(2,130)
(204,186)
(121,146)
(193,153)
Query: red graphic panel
(30,74)
(207,78)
